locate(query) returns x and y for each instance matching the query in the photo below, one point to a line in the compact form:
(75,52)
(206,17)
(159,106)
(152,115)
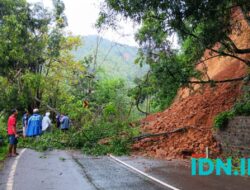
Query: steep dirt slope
(195,110)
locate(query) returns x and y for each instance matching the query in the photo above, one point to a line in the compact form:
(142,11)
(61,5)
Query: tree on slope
(31,40)
(198,25)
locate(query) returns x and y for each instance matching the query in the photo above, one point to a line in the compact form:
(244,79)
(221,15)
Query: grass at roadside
(3,153)
(3,143)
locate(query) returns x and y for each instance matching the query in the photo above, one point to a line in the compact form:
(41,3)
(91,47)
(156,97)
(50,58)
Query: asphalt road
(178,174)
(70,170)
(61,170)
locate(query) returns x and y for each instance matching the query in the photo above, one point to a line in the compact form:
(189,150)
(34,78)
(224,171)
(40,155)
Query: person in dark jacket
(58,120)
(25,119)
(65,122)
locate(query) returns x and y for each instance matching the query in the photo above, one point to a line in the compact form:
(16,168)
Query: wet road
(64,170)
(60,170)
(179,175)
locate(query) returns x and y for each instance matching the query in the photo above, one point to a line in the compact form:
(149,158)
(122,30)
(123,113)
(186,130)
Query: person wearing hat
(46,123)
(34,127)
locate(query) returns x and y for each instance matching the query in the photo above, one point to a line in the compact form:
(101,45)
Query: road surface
(64,170)
(179,175)
(61,170)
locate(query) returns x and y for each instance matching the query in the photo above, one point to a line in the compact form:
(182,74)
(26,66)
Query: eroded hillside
(194,109)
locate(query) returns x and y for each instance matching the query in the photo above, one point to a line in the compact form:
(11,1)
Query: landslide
(195,109)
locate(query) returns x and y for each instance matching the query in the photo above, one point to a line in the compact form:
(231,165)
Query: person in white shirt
(46,123)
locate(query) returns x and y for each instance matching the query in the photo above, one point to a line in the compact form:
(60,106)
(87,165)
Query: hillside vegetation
(114,59)
(38,70)
(195,82)
(195,107)
(96,83)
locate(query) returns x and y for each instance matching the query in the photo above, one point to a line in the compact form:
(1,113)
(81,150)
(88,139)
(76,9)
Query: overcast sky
(82,15)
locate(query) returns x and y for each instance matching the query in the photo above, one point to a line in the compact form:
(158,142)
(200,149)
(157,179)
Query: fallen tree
(165,134)
(48,106)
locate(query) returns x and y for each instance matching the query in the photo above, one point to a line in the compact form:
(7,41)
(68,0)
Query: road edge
(10,181)
(143,173)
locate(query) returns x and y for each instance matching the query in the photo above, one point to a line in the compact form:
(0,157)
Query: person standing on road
(65,123)
(12,133)
(34,124)
(25,122)
(46,123)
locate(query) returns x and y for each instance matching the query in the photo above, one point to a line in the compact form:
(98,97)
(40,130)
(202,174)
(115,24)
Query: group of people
(33,125)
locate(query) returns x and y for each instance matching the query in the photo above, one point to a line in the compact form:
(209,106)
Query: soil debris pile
(195,110)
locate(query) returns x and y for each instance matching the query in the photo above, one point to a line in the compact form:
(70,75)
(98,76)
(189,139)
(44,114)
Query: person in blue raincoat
(34,127)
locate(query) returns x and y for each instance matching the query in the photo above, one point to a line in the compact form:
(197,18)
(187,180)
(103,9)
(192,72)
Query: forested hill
(117,60)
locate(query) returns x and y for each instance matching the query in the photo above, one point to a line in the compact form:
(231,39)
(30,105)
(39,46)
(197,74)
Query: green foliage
(88,138)
(37,45)
(3,141)
(206,22)
(114,59)
(106,119)
(242,106)
(221,120)
(166,76)
(38,70)
(3,153)
(242,109)
(109,138)
(197,26)
(54,140)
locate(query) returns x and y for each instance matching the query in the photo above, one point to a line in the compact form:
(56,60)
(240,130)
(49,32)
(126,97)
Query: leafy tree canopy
(32,44)
(198,26)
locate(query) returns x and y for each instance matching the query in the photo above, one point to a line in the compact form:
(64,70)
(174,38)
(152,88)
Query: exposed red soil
(196,109)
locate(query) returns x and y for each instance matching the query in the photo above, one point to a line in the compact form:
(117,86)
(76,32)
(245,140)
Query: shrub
(3,141)
(55,140)
(242,108)
(221,120)
(87,138)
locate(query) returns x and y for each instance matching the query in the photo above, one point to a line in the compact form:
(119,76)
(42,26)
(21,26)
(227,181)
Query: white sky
(82,15)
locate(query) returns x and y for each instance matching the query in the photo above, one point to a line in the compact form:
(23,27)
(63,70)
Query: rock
(187,152)
(202,147)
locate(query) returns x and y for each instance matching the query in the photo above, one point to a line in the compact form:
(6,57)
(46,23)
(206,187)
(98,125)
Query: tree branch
(166,134)
(233,48)
(209,80)
(218,81)
(138,97)
(247,62)
(48,106)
